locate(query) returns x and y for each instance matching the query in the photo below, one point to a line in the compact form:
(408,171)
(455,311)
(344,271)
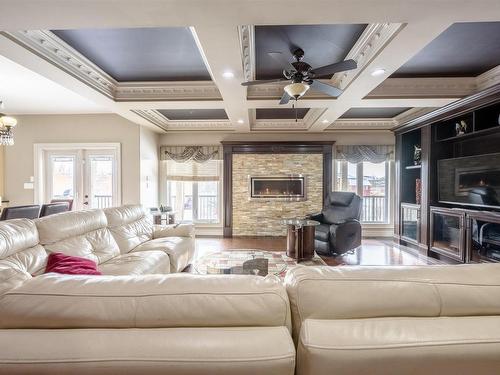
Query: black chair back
(69,201)
(20,212)
(54,208)
(341,206)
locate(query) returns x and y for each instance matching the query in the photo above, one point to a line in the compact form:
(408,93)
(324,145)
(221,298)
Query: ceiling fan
(303,76)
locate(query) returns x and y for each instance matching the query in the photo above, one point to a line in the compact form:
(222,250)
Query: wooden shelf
(492,129)
(413,166)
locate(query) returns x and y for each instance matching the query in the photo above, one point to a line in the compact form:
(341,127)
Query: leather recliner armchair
(340,229)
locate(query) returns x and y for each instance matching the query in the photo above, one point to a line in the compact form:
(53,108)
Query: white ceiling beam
(220,48)
(54,14)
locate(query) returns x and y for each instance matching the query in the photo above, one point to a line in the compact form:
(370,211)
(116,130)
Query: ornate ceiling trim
(362,124)
(411,114)
(49,47)
(488,79)
(162,122)
(247,49)
(373,39)
(289,125)
(425,87)
(189,90)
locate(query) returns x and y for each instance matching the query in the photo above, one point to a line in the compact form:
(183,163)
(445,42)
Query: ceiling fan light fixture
(296,90)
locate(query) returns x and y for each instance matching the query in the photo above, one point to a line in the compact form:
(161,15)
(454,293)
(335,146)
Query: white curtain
(361,153)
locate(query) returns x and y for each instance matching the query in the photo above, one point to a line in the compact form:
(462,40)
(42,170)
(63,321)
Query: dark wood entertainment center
(455,141)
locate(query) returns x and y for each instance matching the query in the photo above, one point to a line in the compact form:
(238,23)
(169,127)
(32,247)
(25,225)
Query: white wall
(149,167)
(340,138)
(70,129)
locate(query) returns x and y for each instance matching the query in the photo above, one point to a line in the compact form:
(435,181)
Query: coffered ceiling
(178,66)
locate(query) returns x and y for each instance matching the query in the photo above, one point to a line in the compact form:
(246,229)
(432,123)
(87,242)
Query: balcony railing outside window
(374,209)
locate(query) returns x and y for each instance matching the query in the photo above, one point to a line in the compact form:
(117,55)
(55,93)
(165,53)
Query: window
(193,190)
(370,181)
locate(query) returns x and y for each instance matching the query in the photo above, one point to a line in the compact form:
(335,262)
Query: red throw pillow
(67,264)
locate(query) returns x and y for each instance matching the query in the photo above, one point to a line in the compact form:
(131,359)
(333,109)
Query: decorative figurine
(461,128)
(417,155)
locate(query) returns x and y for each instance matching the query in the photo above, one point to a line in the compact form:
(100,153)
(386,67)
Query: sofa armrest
(176,230)
(318,216)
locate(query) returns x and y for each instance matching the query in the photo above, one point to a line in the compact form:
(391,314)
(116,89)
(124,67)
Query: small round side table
(300,238)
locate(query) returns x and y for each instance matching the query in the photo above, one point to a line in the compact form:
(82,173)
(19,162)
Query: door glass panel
(101,181)
(446,232)
(374,193)
(63,177)
(409,222)
(485,240)
(208,201)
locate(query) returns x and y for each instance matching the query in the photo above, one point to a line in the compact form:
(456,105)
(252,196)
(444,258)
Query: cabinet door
(410,223)
(483,238)
(448,233)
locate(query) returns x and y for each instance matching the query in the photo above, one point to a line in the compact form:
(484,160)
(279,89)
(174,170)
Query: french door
(88,176)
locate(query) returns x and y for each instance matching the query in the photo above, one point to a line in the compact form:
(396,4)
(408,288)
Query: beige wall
(149,167)
(19,164)
(341,138)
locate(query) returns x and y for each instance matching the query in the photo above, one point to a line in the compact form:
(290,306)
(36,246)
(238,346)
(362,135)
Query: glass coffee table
(249,262)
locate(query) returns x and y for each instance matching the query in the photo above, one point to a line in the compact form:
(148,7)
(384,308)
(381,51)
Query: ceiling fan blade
(260,82)
(283,61)
(335,68)
(327,89)
(285,98)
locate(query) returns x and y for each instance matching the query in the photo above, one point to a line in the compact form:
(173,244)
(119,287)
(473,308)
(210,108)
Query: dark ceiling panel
(322,44)
(143,54)
(373,112)
(279,113)
(464,49)
(193,114)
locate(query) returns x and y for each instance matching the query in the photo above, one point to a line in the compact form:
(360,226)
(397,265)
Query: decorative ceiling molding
(411,114)
(312,115)
(49,47)
(289,125)
(425,87)
(362,124)
(162,122)
(192,90)
(247,45)
(373,39)
(488,79)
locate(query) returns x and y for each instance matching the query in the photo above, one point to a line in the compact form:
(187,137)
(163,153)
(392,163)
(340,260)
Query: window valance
(198,154)
(360,153)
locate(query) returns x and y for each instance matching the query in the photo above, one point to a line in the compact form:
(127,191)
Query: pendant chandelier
(7,123)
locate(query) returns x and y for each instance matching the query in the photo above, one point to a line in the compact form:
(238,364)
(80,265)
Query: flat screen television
(470,180)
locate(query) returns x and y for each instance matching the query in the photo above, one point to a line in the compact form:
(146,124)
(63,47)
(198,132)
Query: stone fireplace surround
(243,217)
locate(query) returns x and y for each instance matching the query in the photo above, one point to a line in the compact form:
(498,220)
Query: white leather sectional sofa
(321,320)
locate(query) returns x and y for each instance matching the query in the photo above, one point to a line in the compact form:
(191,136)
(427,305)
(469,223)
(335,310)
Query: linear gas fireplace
(291,187)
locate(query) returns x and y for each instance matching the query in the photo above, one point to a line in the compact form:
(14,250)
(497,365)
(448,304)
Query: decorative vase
(417,155)
(418,191)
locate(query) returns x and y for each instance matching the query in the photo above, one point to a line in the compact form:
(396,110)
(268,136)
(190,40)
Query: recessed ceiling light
(325,121)
(228,74)
(240,121)
(378,72)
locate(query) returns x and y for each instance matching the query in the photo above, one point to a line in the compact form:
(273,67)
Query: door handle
(85,203)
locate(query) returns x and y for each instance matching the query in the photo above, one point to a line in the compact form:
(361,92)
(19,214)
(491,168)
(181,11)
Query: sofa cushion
(180,250)
(390,346)
(78,233)
(70,265)
(144,263)
(187,351)
(130,226)
(174,300)
(19,247)
(11,278)
(368,292)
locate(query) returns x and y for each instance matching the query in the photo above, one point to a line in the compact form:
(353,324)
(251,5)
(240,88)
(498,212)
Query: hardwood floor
(373,252)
